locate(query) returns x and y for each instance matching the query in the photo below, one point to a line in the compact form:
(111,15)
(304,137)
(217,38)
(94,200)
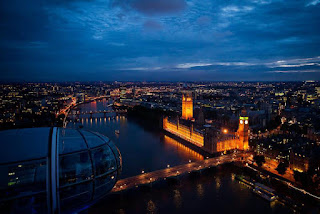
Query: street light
(142,171)
(168,166)
(225,131)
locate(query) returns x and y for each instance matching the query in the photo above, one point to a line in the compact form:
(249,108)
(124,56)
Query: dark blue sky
(173,40)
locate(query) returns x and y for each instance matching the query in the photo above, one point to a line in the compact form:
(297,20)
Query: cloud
(194,37)
(141,69)
(153,7)
(152,25)
(204,20)
(192,65)
(295,71)
(232,10)
(118,44)
(295,63)
(222,35)
(262,1)
(299,65)
(313,3)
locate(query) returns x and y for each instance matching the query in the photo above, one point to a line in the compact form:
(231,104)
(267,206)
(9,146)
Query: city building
(51,170)
(210,139)
(187,106)
(299,161)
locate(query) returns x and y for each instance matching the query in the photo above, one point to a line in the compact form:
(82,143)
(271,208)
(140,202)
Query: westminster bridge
(150,177)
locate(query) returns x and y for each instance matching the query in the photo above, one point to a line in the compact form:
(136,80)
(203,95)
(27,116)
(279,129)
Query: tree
(282,167)
(259,159)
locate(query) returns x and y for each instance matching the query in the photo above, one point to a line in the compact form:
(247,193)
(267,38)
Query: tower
(243,131)
(187,106)
(123,91)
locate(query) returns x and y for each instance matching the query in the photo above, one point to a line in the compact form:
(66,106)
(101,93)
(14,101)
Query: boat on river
(264,192)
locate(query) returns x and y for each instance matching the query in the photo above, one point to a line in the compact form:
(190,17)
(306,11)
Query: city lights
(160,106)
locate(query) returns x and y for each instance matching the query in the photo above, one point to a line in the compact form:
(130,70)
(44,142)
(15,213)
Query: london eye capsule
(52,170)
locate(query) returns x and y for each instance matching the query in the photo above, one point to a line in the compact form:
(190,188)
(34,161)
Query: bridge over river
(117,111)
(146,178)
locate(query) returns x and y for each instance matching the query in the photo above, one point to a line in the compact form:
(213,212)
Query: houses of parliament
(208,138)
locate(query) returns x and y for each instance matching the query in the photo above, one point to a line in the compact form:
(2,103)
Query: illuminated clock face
(241,121)
(246,122)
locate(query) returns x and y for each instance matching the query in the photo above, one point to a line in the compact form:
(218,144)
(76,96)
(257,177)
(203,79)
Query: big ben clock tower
(187,106)
(243,131)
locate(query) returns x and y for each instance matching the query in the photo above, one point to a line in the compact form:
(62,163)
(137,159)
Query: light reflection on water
(177,198)
(192,196)
(200,190)
(218,183)
(142,148)
(181,148)
(151,207)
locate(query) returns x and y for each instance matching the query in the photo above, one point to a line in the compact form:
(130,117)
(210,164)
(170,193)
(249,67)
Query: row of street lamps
(168,166)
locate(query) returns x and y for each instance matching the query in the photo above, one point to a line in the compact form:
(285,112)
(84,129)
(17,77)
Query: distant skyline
(159,40)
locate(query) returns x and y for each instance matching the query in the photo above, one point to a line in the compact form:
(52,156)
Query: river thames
(148,149)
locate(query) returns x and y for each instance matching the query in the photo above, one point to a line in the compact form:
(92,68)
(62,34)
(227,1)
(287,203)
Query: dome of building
(49,170)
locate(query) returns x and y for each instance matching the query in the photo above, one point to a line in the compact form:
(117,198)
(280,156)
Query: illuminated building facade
(187,106)
(209,139)
(243,131)
(187,133)
(299,162)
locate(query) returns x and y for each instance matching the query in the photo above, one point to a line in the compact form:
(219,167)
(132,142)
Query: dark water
(146,149)
(140,147)
(216,193)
